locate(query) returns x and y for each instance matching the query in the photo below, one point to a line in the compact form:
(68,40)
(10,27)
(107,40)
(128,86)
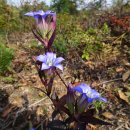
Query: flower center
(49,63)
(89,94)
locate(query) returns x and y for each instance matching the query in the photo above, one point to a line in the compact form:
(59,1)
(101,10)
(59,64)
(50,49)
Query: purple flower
(49,61)
(32,129)
(45,26)
(38,13)
(89,93)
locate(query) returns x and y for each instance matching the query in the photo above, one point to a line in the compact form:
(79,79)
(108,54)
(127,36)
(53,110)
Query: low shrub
(119,25)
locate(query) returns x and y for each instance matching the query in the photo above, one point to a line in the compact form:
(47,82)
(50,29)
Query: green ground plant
(99,105)
(94,41)
(69,33)
(128,52)
(35,44)
(8,79)
(6,56)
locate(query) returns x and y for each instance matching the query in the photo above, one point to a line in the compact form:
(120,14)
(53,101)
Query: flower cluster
(76,106)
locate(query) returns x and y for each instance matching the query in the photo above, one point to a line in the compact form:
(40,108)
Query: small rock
(108,115)
(39,111)
(127,64)
(77,80)
(126,75)
(18,102)
(119,69)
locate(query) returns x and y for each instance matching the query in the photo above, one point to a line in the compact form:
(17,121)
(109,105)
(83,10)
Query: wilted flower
(45,26)
(89,93)
(49,61)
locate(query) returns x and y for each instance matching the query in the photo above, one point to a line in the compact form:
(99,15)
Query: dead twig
(109,81)
(119,127)
(34,104)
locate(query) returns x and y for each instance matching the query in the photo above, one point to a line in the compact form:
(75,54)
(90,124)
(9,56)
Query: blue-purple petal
(41,58)
(58,60)
(103,99)
(45,66)
(50,55)
(86,88)
(49,12)
(82,88)
(59,66)
(33,14)
(90,100)
(39,12)
(78,89)
(95,94)
(30,14)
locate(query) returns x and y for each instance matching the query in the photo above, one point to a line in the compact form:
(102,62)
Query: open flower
(45,26)
(49,61)
(89,94)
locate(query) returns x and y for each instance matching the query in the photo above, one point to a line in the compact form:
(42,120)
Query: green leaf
(6,56)
(129,99)
(128,93)
(129,52)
